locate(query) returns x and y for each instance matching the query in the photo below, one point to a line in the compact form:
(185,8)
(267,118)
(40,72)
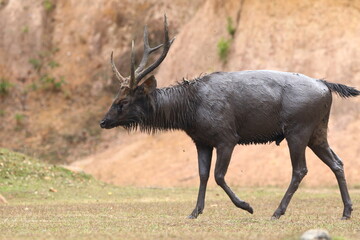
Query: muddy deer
(223,109)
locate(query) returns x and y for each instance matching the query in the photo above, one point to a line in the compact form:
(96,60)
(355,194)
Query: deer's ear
(149,84)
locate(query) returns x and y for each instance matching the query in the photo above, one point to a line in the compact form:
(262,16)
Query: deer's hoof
(276,216)
(191,217)
(245,206)
(250,209)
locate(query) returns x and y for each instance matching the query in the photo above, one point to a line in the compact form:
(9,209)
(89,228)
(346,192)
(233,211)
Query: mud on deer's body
(223,109)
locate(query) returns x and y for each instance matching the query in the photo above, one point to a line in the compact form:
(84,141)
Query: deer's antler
(136,75)
(115,71)
(147,51)
(167,43)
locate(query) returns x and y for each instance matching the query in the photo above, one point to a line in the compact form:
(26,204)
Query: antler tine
(147,51)
(167,44)
(132,74)
(115,70)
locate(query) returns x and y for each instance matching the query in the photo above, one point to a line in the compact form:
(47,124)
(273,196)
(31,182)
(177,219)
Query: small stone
(52,190)
(316,234)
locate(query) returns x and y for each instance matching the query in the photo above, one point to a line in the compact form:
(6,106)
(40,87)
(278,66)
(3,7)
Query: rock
(316,234)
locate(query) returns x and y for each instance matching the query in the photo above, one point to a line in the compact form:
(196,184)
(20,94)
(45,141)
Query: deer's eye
(119,107)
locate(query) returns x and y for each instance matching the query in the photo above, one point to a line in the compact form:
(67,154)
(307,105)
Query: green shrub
(53,64)
(5,86)
(32,86)
(19,119)
(36,63)
(43,66)
(48,5)
(52,83)
(223,47)
(230,27)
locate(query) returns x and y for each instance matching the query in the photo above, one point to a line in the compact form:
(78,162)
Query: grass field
(49,202)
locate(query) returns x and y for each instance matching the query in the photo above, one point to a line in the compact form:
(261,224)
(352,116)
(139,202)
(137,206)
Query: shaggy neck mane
(171,108)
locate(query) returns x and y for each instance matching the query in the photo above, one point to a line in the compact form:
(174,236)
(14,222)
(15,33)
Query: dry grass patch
(83,208)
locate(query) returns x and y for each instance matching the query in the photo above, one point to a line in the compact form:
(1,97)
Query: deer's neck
(172,108)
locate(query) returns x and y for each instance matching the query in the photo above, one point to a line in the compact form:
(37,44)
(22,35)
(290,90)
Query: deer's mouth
(106,124)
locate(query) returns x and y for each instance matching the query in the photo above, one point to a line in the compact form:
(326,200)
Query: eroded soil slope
(55,77)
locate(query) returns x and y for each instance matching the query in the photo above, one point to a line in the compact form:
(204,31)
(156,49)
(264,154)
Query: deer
(223,109)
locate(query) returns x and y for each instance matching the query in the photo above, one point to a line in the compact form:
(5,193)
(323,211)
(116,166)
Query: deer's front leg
(204,160)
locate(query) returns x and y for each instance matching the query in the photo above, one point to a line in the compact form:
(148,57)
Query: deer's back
(257,106)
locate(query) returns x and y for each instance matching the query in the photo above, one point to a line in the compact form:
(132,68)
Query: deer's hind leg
(297,142)
(319,145)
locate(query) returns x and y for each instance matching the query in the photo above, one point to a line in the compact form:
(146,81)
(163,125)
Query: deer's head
(132,99)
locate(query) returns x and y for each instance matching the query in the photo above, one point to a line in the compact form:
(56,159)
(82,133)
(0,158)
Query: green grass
(84,208)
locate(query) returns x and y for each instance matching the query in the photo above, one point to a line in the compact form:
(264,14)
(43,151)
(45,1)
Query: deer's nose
(103,123)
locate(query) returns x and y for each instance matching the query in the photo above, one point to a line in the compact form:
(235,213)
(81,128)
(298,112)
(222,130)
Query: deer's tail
(342,90)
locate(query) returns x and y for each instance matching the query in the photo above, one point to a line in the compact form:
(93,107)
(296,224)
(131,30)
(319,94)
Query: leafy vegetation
(19,119)
(230,27)
(223,47)
(5,86)
(49,82)
(48,5)
(53,64)
(43,65)
(36,64)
